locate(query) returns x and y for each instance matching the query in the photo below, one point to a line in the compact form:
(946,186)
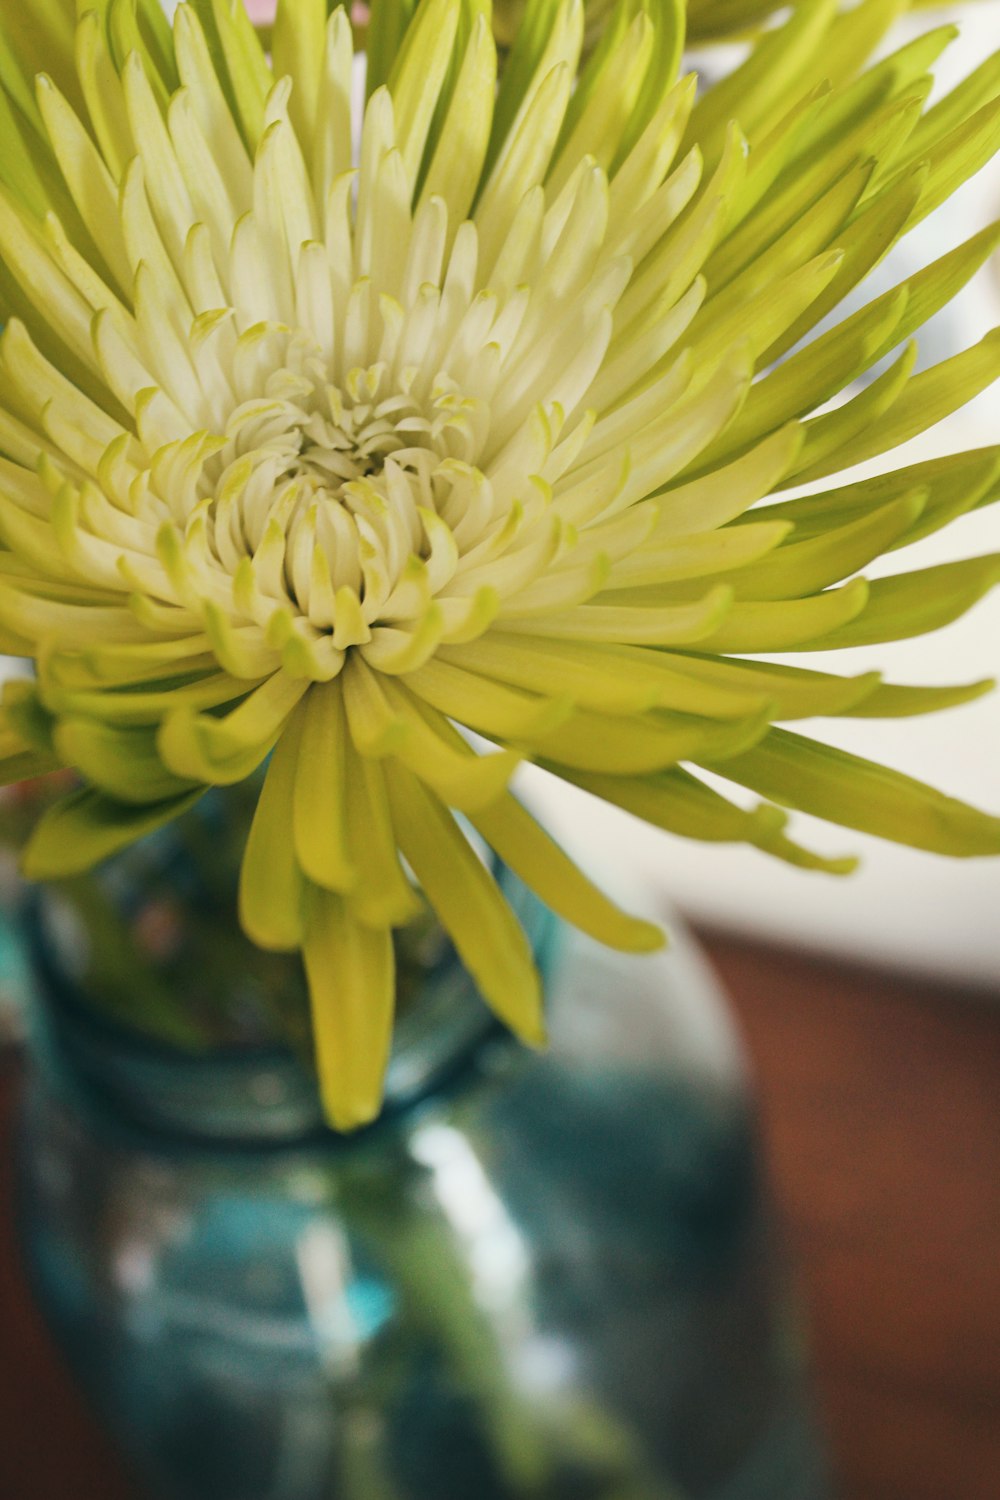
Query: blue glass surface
(540,1277)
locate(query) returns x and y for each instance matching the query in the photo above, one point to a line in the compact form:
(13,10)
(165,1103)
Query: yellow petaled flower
(315,450)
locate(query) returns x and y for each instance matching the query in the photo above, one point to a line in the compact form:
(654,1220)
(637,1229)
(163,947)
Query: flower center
(334,436)
(330,477)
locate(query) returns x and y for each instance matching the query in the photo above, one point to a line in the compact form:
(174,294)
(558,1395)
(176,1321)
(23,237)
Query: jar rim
(113,1063)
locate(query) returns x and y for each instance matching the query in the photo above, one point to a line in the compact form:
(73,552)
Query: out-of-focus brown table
(881,1108)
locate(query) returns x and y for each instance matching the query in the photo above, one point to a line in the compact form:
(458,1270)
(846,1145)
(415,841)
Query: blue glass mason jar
(546,1275)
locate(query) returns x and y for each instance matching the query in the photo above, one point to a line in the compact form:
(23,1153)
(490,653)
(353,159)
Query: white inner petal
(343,468)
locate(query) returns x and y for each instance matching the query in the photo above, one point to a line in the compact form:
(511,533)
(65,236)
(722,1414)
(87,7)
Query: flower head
(325,430)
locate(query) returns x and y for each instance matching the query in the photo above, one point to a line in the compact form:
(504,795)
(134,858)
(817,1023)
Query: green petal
(88,827)
(892,701)
(523,162)
(352,989)
(624,82)
(386,720)
(298,47)
(859,794)
(610,680)
(669,28)
(464,778)
(465,896)
(959,105)
(486,706)
(955,157)
(22,756)
(679,803)
(728,492)
(544,38)
(55,303)
(952,486)
(814,180)
(124,763)
(892,78)
(911,604)
(26,170)
(320,812)
(831,439)
(776,303)
(124,706)
(800,568)
(457,163)
(418,73)
(709,20)
(788,624)
(738,550)
(25,765)
(668,625)
(271,884)
(91,184)
(25,714)
(41,37)
(102,91)
(240,58)
(810,378)
(526,848)
(926,400)
(755,92)
(386,29)
(141,26)
(792,692)
(383,896)
(639,745)
(225,750)
(863,244)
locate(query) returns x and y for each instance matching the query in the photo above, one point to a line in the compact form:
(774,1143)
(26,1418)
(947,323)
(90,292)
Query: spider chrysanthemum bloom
(315,450)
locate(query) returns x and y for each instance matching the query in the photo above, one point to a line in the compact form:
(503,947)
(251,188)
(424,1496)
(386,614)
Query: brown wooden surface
(881,1106)
(50,1449)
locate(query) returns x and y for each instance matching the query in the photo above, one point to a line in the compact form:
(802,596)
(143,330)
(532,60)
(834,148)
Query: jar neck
(258,1095)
